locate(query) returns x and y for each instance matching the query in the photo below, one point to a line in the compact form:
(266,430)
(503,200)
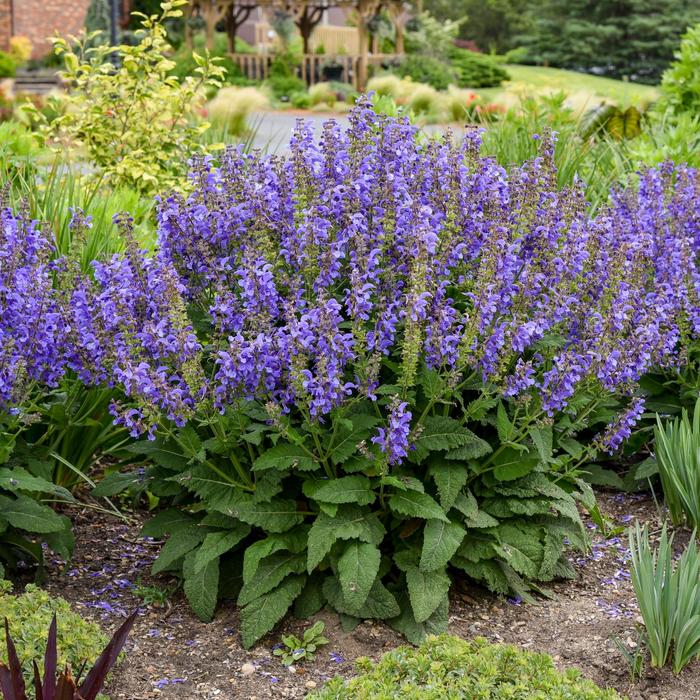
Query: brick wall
(5,24)
(40,19)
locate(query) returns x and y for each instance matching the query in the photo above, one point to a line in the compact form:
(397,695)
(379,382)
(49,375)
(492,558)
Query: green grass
(539,79)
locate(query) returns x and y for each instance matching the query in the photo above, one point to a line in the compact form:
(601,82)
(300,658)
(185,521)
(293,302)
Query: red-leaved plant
(63,686)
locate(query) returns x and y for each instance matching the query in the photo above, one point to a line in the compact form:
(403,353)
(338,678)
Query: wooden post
(396,10)
(366,9)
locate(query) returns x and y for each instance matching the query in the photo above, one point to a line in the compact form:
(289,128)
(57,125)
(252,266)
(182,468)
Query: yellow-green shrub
(29,616)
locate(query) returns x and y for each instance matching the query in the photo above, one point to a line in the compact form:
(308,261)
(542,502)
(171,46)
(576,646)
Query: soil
(172,655)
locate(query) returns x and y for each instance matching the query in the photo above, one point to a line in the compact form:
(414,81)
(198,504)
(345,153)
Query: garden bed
(173,655)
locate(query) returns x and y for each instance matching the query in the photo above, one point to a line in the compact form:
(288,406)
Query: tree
(493,25)
(619,38)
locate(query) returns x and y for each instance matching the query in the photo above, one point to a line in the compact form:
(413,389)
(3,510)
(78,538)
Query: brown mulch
(172,655)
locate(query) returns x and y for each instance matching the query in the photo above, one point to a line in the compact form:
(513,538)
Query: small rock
(310,684)
(247,669)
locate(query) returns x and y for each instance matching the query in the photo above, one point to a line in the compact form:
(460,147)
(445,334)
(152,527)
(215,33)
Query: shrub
(8,67)
(29,616)
(323,93)
(427,69)
(460,105)
(424,100)
(449,667)
(388,85)
(678,459)
(284,86)
(20,49)
(668,595)
(135,122)
(232,106)
(680,84)
(475,70)
(375,401)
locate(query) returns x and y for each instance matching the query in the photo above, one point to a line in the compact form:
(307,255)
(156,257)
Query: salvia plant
(668,595)
(61,686)
(375,361)
(678,460)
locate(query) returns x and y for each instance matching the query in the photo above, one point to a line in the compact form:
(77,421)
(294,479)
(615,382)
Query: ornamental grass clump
(668,594)
(379,360)
(678,457)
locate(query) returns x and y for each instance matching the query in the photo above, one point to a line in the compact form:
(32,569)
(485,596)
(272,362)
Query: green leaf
(277,515)
(466,504)
(450,478)
(262,614)
(201,586)
(292,541)
(427,590)
(542,437)
(217,543)
(357,569)
(443,433)
(160,452)
(522,547)
(178,545)
(416,632)
(348,438)
(311,599)
(503,424)
(573,447)
(440,541)
(417,505)
(380,603)
(286,456)
(510,465)
(166,522)
(26,514)
(270,573)
(347,489)
(433,384)
(350,522)
(18,479)
(117,482)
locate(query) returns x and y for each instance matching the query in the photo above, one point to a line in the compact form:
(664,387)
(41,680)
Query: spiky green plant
(668,597)
(678,457)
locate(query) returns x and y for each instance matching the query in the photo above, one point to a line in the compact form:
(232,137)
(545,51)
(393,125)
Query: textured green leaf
(166,454)
(380,603)
(357,570)
(488,572)
(26,514)
(510,465)
(416,632)
(427,590)
(350,522)
(503,424)
(417,505)
(311,599)
(522,547)
(293,541)
(346,489)
(542,437)
(440,541)
(277,515)
(18,479)
(116,483)
(166,522)
(178,545)
(450,478)
(286,456)
(201,587)
(348,438)
(443,433)
(270,573)
(217,543)
(466,504)
(262,614)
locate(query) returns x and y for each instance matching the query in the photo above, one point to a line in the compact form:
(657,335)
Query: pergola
(307,14)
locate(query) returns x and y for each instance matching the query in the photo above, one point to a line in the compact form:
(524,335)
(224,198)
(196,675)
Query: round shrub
(427,69)
(449,667)
(474,70)
(8,67)
(232,105)
(29,616)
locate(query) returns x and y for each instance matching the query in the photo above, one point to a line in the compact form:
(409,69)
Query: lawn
(586,88)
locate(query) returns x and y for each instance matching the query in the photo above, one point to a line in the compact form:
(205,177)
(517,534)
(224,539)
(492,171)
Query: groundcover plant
(377,361)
